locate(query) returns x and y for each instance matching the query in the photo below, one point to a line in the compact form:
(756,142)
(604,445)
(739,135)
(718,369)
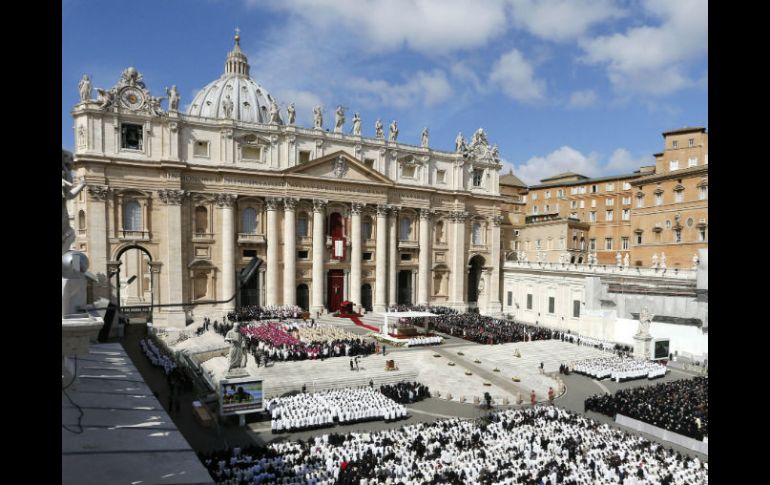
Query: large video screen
(661,349)
(240,396)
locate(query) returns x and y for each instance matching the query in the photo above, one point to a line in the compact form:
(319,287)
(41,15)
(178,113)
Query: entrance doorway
(249,279)
(405,287)
(474,277)
(303,298)
(366,297)
(335,285)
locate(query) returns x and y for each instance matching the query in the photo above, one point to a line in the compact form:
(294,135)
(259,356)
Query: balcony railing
(197,236)
(406,244)
(246,237)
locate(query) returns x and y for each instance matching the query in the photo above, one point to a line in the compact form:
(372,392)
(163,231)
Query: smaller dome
(250,101)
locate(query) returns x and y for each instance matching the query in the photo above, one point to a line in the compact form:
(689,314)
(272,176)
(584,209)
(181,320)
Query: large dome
(250,101)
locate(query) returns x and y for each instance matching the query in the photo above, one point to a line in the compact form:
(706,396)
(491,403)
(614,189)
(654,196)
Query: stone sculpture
(393,130)
(459,143)
(68,191)
(173,98)
(105,97)
(645,319)
(626,260)
(85,89)
(236,358)
(275,114)
(318,119)
(227,106)
(339,119)
(357,124)
(662,260)
(378,131)
(291,114)
(424,140)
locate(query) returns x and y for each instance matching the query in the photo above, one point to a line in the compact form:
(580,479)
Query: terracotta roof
(511,179)
(684,130)
(564,175)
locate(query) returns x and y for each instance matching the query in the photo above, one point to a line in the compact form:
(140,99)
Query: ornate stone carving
(319,142)
(98,192)
(271,203)
(458,216)
(81,135)
(319,205)
(340,167)
(497,220)
(426,213)
(172,196)
(356,207)
(173,126)
(645,319)
(225,200)
(382,209)
(227,133)
(479,150)
(290,203)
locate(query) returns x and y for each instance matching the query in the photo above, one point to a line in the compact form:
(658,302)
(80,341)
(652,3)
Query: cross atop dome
(237,36)
(237,63)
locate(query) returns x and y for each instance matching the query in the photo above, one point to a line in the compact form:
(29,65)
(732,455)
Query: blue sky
(579,85)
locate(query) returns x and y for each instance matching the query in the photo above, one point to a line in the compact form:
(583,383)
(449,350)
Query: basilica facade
(230,203)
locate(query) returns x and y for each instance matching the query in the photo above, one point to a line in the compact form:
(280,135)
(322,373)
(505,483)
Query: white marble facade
(202,194)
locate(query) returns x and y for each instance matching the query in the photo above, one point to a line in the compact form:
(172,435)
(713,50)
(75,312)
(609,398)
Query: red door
(335,286)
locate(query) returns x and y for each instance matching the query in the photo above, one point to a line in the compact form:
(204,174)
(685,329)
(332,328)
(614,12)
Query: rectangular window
(573,190)
(369,162)
(610,187)
(547,208)
(702,234)
(201,148)
(560,193)
(594,189)
(547,194)
(675,144)
(575,308)
(673,165)
(593,202)
(639,201)
(573,204)
(573,215)
(251,152)
(302,254)
(659,199)
(592,216)
(534,209)
(626,200)
(609,202)
(703,192)
(441,176)
(131,137)
(529,301)
(406,257)
(249,253)
(678,235)
(626,215)
(679,196)
(478,176)
(551,304)
(407,172)
(609,216)
(691,142)
(608,244)
(366,256)
(510,298)
(304,157)
(626,185)
(582,190)
(624,243)
(638,238)
(582,204)
(692,162)
(592,245)
(534,195)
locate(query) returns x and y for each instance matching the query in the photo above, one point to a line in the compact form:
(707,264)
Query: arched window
(201,220)
(366,229)
(477,234)
(249,221)
(405,228)
(302,224)
(82,220)
(132,220)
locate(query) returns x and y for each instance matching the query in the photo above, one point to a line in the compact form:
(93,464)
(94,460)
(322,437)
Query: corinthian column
(382,259)
(355,254)
(289,252)
(227,236)
(97,237)
(319,211)
(393,254)
(272,250)
(424,258)
(459,266)
(495,305)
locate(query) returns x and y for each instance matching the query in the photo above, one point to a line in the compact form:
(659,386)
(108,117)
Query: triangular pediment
(339,166)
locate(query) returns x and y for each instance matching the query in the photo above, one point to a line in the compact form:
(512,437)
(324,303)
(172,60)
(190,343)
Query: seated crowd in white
(414,342)
(156,357)
(618,368)
(532,445)
(323,409)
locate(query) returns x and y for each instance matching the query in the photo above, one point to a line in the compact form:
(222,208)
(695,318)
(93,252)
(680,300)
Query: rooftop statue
(291,114)
(378,129)
(393,130)
(339,119)
(85,89)
(424,140)
(357,124)
(318,119)
(173,98)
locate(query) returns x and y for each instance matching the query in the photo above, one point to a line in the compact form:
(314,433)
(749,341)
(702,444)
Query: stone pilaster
(226,202)
(172,199)
(423,278)
(355,253)
(459,264)
(272,250)
(393,256)
(97,238)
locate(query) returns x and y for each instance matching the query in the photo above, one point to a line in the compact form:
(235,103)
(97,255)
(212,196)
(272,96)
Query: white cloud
(653,60)
(561,20)
(564,159)
(516,78)
(424,89)
(582,99)
(428,26)
(621,161)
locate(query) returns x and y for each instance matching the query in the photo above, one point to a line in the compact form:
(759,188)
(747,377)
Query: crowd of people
(540,445)
(488,330)
(438,310)
(323,409)
(417,341)
(679,406)
(157,358)
(618,368)
(620,350)
(255,312)
(405,392)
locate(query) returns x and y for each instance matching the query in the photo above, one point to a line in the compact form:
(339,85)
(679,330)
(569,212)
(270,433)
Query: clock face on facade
(132,98)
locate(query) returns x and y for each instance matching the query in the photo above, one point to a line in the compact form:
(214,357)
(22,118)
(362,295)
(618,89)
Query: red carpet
(358,322)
